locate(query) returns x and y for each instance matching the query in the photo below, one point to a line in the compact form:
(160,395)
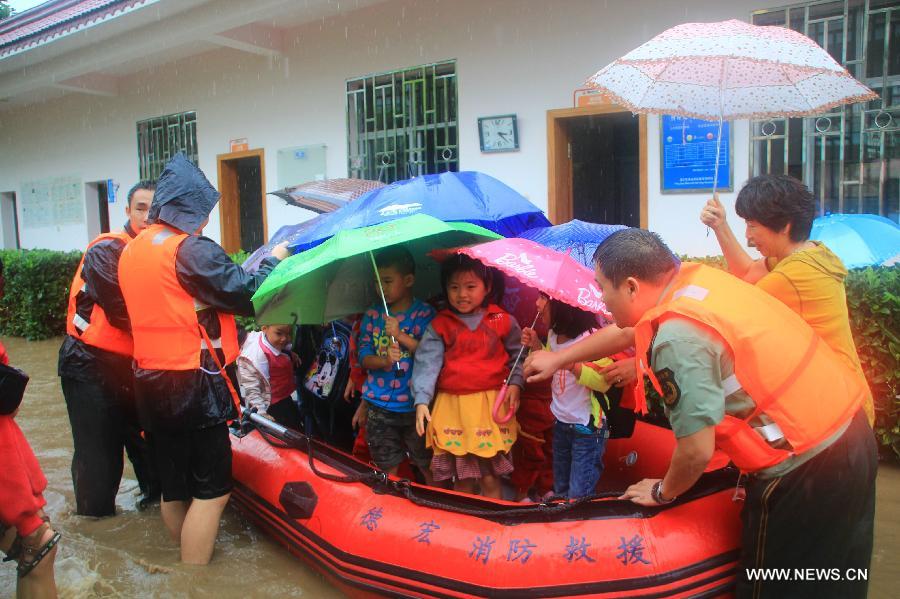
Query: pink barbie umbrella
(550,272)
(553,273)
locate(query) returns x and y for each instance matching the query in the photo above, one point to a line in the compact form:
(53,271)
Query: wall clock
(498,133)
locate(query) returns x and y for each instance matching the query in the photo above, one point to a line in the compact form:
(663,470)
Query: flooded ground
(131,556)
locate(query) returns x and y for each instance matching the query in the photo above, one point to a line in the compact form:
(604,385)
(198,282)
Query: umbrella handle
(397,370)
(498,404)
(501,396)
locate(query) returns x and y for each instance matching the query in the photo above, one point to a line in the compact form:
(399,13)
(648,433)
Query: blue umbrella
(286,233)
(859,239)
(468,196)
(579,238)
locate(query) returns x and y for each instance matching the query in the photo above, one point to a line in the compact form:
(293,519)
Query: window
(849,157)
(403,124)
(160,138)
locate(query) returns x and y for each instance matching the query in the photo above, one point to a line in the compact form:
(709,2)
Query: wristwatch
(656,494)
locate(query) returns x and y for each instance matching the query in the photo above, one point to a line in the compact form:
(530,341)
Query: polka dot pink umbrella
(729,70)
(550,272)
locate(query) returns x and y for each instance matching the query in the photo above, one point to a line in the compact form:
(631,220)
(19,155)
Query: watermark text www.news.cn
(808,574)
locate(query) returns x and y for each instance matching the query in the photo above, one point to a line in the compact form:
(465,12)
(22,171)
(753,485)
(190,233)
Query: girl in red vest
(266,374)
(461,363)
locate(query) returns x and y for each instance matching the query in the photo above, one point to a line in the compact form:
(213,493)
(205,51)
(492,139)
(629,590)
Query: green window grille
(160,138)
(403,124)
(850,156)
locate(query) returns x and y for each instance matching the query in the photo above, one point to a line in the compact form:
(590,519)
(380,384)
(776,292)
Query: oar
(397,370)
(501,396)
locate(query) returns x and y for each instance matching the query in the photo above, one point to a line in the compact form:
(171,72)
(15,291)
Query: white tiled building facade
(274,75)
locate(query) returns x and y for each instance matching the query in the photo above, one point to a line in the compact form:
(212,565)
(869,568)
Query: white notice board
(52,201)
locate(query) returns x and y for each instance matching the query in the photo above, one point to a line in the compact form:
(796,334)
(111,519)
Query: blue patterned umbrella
(859,239)
(287,233)
(470,197)
(579,238)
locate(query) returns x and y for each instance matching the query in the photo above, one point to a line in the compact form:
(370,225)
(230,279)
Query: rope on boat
(288,438)
(405,489)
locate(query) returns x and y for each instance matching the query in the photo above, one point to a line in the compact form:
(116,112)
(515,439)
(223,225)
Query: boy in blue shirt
(387,408)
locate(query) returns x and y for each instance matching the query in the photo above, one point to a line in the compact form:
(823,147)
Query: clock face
(498,133)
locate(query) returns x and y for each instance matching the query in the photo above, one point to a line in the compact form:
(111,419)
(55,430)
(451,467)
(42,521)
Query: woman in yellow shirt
(805,275)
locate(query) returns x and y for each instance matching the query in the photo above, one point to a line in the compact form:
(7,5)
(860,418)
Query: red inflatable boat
(377,536)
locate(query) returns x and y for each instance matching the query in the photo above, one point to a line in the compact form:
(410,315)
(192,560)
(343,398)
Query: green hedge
(37,287)
(37,284)
(248,322)
(873,296)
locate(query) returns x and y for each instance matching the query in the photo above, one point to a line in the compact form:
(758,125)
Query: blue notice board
(688,155)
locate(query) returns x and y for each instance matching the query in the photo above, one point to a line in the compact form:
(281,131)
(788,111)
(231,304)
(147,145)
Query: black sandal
(15,550)
(32,556)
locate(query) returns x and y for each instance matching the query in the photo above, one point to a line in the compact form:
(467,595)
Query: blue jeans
(577,458)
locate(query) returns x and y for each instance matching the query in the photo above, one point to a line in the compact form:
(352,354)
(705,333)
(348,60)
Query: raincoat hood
(184,196)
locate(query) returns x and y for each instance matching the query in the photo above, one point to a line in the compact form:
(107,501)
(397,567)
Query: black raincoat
(98,387)
(82,362)
(176,401)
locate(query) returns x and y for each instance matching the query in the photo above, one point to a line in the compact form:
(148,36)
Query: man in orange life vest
(740,371)
(182,290)
(95,371)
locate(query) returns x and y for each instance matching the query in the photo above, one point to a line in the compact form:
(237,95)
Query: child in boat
(462,362)
(353,392)
(580,432)
(387,345)
(266,374)
(532,455)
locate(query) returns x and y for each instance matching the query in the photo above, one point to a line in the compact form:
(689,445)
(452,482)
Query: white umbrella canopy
(729,70)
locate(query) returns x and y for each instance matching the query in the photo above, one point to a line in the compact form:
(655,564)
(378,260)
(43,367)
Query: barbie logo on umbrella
(520,264)
(589,299)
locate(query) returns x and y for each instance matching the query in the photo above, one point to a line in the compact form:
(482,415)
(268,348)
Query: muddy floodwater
(131,556)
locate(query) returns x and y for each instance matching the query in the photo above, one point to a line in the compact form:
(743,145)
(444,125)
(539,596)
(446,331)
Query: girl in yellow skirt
(460,365)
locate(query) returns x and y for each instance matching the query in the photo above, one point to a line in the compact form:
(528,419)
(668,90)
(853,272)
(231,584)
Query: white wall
(513,56)
(676,216)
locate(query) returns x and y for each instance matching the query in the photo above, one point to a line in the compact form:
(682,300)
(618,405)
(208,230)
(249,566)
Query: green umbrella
(336,278)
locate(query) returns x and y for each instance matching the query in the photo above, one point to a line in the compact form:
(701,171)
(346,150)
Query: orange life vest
(791,375)
(96,330)
(167,333)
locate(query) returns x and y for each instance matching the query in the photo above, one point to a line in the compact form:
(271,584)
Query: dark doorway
(605,154)
(103,206)
(242,207)
(250,194)
(96,197)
